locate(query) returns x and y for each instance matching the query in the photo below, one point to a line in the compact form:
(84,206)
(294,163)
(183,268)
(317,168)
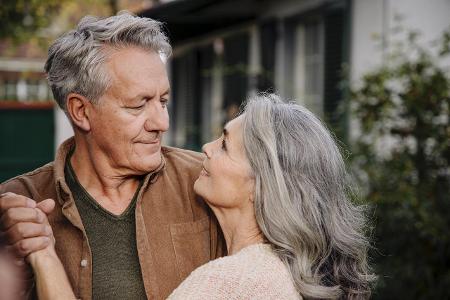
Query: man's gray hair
(301,200)
(76,59)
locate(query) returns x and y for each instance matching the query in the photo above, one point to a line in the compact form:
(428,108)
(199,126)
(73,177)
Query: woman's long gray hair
(301,200)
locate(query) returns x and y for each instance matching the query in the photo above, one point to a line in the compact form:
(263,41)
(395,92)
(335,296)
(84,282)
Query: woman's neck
(239,228)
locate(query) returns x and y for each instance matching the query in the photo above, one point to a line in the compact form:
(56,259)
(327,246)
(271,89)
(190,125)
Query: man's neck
(111,189)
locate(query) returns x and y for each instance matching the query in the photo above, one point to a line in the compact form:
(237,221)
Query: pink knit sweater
(255,272)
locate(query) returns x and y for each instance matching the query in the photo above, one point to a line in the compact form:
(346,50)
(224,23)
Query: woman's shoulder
(254,272)
(253,258)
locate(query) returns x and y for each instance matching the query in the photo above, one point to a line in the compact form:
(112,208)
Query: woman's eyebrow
(225,132)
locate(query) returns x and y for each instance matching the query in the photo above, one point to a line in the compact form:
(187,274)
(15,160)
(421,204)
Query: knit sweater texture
(255,272)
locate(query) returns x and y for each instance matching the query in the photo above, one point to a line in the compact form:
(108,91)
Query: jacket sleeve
(16,186)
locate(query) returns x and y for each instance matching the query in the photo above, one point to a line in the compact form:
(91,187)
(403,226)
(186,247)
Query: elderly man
(127,223)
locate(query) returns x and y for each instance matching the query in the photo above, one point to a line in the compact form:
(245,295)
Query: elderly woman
(276,181)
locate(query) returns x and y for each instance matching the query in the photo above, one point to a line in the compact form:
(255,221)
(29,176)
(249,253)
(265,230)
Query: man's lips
(156,141)
(152,138)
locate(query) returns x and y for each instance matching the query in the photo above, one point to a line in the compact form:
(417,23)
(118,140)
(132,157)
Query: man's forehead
(144,72)
(129,61)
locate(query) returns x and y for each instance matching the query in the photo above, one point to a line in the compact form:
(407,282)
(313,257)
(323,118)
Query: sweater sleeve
(253,274)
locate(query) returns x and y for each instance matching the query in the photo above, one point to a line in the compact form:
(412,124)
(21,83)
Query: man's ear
(78,107)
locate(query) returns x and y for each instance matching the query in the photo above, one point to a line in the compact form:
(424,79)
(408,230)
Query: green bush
(402,159)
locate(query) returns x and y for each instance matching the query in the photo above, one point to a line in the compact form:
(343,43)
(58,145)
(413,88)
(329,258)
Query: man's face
(128,122)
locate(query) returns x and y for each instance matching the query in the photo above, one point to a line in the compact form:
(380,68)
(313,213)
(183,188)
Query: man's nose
(157,118)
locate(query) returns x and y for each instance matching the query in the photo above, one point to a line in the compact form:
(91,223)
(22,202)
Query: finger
(46,205)
(23,231)
(49,226)
(25,247)
(16,215)
(43,216)
(9,200)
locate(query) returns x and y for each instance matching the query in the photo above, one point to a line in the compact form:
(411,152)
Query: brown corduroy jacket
(175,230)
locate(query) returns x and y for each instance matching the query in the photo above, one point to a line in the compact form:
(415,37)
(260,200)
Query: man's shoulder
(182,157)
(28,183)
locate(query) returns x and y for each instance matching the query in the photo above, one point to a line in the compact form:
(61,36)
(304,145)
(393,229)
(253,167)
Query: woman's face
(226,179)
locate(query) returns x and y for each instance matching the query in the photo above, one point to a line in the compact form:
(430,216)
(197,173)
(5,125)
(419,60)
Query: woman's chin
(197,187)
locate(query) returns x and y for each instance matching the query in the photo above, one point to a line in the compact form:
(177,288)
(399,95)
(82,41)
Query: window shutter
(268,31)
(235,70)
(335,56)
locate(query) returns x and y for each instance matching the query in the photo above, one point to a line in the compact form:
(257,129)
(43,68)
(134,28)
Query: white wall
(430,17)
(366,23)
(372,18)
(63,129)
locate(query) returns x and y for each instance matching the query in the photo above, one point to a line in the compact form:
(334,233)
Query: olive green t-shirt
(116,272)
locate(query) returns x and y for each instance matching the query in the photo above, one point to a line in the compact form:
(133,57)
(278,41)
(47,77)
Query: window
(308,65)
(25,90)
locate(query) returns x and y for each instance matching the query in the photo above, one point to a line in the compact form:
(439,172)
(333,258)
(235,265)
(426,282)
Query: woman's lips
(204,172)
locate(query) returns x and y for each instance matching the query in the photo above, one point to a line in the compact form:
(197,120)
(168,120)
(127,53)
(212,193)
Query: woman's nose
(207,149)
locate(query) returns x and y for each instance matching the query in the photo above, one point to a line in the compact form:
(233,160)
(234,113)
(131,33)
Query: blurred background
(376,71)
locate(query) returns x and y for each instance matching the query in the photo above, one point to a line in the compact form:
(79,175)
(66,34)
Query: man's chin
(150,162)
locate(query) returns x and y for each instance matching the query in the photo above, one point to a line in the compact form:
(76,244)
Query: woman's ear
(78,108)
(252,189)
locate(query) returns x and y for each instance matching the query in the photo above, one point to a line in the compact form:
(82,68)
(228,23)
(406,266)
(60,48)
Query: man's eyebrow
(146,95)
(137,97)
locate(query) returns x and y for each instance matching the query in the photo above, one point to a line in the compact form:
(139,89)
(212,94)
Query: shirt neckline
(91,201)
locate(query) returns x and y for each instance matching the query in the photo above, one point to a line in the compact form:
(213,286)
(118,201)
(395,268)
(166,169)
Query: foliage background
(402,158)
(40,21)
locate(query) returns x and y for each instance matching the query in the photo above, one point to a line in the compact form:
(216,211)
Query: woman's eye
(224,145)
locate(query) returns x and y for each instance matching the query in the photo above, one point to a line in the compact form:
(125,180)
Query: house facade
(223,52)
(226,51)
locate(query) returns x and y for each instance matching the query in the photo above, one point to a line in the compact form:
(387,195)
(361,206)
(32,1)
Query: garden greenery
(402,155)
